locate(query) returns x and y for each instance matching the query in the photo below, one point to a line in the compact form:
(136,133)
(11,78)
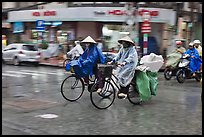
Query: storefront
(106,22)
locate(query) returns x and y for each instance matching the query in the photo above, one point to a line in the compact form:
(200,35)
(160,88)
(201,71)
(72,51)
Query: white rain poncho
(126,73)
(151,62)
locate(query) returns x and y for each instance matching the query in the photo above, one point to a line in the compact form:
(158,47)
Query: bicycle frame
(111,80)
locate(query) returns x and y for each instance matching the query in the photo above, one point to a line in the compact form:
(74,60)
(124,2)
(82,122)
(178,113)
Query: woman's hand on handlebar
(109,63)
(121,64)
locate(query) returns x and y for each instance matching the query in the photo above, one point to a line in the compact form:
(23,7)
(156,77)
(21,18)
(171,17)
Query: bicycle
(110,86)
(72,87)
(68,59)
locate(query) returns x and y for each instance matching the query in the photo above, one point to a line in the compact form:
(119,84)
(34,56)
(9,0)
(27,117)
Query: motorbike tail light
(20,52)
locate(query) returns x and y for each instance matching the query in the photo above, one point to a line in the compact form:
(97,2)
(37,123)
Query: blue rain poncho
(84,66)
(194,62)
(126,73)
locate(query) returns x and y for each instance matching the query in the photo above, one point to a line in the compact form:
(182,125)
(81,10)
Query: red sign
(117,12)
(45,13)
(146,27)
(152,13)
(124,12)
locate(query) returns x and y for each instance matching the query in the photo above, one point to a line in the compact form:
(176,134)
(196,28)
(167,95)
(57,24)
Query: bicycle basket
(106,70)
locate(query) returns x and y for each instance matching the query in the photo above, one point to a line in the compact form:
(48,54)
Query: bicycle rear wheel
(105,98)
(72,88)
(133,95)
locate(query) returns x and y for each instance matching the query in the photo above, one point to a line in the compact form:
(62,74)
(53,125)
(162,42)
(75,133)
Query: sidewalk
(54,61)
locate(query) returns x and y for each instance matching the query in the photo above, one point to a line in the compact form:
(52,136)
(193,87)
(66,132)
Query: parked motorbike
(184,72)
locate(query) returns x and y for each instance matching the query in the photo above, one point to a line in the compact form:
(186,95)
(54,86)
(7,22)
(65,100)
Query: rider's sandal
(122,96)
(99,90)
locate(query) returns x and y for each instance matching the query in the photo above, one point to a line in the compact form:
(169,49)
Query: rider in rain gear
(77,51)
(195,60)
(199,49)
(128,59)
(174,57)
(86,65)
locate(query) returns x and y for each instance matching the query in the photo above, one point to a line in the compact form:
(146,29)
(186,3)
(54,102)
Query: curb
(50,65)
(59,66)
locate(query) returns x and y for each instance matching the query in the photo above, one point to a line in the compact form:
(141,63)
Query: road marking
(39,72)
(12,75)
(18,72)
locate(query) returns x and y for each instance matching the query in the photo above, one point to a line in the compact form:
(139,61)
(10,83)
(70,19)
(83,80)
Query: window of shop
(111,34)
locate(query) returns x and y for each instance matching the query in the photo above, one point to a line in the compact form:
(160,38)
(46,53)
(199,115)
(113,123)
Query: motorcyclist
(199,49)
(174,57)
(195,60)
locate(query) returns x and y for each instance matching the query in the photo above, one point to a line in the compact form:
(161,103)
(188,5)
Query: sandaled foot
(122,96)
(99,90)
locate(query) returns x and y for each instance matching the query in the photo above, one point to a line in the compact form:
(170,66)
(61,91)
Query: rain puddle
(47,116)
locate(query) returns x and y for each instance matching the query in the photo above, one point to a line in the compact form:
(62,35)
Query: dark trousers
(99,77)
(124,89)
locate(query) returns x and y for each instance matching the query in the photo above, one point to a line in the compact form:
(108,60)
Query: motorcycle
(184,72)
(170,71)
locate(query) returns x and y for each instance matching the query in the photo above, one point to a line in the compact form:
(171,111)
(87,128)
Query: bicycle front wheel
(65,62)
(105,98)
(72,88)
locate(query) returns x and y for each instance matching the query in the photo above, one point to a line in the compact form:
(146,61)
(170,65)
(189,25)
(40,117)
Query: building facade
(64,21)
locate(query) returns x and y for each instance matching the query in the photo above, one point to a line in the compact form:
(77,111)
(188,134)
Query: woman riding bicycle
(86,65)
(127,59)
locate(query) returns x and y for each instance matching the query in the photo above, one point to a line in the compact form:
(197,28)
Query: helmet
(178,42)
(191,43)
(196,41)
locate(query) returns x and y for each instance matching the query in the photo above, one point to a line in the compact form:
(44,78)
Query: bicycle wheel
(72,88)
(133,95)
(104,99)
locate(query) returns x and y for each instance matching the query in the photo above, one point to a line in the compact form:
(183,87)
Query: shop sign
(152,13)
(124,12)
(45,13)
(18,27)
(111,12)
(117,12)
(40,26)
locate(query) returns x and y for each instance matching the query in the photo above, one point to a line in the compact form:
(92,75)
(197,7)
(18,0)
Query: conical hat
(127,38)
(88,40)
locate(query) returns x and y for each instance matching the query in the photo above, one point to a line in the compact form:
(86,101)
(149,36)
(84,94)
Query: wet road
(30,92)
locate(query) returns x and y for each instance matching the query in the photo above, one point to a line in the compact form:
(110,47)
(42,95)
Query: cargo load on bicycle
(147,77)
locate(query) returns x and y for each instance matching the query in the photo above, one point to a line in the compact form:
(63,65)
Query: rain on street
(32,104)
